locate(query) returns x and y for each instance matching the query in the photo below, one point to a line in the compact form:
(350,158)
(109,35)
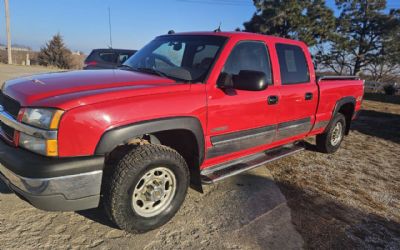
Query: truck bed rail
(320,78)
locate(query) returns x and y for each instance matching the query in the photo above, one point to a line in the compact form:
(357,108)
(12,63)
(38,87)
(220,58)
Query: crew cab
(187,109)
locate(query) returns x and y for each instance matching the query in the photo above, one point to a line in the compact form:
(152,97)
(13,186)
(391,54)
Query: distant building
(78,53)
(16,48)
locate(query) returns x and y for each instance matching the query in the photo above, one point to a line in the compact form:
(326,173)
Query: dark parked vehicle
(107,58)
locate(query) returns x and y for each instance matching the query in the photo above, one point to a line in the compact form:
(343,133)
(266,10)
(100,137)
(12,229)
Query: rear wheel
(330,140)
(146,188)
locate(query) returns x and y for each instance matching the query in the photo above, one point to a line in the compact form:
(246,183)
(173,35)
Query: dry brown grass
(350,199)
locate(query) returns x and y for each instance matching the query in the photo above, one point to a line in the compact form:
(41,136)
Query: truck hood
(68,89)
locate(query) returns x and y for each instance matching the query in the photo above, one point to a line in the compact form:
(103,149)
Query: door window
(293,64)
(249,55)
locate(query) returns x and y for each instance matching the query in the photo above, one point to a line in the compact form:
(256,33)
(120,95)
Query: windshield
(180,57)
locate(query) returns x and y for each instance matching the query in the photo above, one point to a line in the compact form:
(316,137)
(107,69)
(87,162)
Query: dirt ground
(351,199)
(348,200)
(245,212)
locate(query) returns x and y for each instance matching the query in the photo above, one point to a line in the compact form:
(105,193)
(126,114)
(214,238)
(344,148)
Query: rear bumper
(69,184)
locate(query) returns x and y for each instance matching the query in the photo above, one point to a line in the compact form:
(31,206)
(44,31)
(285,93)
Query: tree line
(362,37)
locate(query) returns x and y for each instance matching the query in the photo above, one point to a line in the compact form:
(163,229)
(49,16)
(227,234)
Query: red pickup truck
(187,109)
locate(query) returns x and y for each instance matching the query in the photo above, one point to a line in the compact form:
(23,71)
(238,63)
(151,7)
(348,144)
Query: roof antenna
(219,28)
(171,32)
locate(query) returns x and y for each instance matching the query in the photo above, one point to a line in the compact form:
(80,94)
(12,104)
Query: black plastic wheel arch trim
(119,136)
(339,104)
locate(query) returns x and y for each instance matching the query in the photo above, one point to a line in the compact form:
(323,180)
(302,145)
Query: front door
(239,119)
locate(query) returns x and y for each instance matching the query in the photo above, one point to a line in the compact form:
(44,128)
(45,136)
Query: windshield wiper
(152,71)
(125,66)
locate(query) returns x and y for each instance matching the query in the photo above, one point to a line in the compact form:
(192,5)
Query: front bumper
(63,184)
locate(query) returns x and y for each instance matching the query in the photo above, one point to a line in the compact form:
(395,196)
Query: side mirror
(250,80)
(225,81)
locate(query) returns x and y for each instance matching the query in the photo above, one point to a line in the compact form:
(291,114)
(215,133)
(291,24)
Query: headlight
(47,119)
(42,118)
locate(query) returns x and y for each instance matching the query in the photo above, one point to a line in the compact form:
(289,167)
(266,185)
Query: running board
(219,172)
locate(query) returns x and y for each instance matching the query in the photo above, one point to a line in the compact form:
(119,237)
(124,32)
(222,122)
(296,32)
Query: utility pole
(109,25)
(8,32)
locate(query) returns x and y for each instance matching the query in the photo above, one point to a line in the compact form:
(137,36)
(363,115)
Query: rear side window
(107,56)
(293,64)
(249,55)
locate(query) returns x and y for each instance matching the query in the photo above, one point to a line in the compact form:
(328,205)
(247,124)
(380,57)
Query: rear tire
(330,140)
(146,188)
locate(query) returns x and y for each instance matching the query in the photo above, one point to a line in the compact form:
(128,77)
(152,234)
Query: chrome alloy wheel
(337,134)
(154,192)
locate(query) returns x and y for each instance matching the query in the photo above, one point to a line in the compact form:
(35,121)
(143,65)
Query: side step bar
(219,172)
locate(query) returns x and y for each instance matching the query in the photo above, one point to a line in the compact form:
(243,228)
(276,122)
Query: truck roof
(239,34)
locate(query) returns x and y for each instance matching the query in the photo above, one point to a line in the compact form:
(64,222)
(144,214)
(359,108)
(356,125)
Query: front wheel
(330,140)
(146,188)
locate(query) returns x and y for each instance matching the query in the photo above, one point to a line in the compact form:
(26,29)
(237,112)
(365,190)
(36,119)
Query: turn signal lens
(52,148)
(56,119)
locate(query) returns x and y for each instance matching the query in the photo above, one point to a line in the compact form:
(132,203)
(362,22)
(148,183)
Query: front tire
(146,188)
(330,140)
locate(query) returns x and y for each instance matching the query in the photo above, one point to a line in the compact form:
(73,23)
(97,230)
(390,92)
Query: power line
(219,2)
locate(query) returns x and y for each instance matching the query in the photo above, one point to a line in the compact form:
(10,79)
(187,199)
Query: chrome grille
(11,107)
(9,132)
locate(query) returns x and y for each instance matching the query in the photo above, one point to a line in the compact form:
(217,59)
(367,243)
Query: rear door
(299,92)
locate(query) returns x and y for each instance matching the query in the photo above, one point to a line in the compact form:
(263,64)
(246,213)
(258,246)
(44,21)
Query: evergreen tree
(363,36)
(55,53)
(307,20)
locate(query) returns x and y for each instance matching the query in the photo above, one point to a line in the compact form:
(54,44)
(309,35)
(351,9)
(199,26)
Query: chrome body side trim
(293,128)
(10,121)
(321,124)
(72,187)
(236,141)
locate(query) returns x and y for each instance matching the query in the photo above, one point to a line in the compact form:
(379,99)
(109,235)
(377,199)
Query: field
(12,71)
(347,200)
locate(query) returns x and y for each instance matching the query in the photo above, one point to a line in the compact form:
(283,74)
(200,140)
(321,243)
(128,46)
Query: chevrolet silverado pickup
(187,109)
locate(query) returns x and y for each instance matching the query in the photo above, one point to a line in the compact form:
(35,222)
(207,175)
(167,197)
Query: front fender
(121,135)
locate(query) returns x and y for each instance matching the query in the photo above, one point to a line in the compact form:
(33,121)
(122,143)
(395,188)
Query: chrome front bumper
(63,193)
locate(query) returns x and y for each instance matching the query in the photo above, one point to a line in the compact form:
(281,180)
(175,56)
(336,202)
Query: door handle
(308,96)
(273,99)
